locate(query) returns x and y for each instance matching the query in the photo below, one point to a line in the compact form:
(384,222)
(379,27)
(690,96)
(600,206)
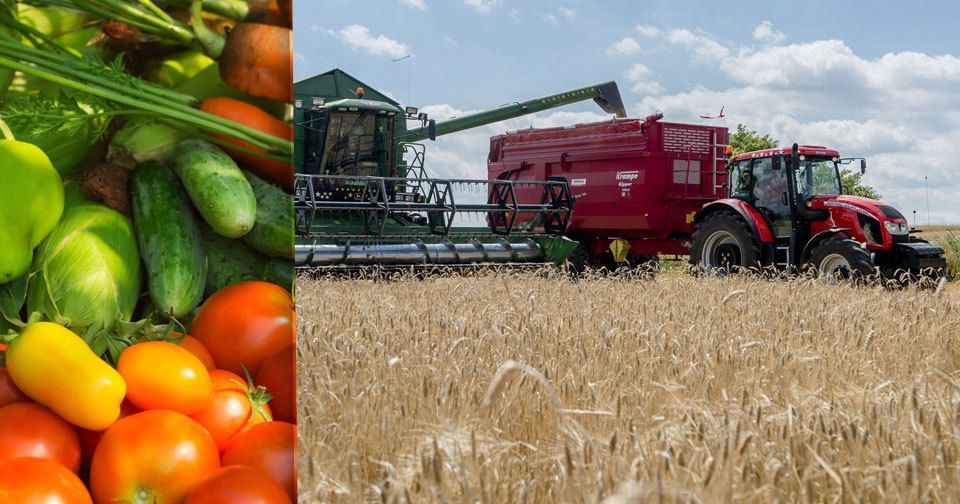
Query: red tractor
(648,187)
(786,208)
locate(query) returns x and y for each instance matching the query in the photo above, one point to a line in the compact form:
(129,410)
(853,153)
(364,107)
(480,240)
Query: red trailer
(638,184)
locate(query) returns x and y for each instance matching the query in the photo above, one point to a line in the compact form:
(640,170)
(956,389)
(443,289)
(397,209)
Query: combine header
(363,196)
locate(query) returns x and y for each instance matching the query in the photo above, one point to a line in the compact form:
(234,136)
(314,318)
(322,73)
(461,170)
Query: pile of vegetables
(146,274)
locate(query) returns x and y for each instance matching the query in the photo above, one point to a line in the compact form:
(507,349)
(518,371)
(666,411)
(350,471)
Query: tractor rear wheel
(841,260)
(723,244)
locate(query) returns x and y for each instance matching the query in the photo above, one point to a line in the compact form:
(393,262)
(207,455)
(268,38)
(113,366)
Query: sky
(879,79)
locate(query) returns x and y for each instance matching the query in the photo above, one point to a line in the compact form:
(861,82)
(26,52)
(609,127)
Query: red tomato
(239,485)
(279,376)
(161,375)
(40,481)
(245,323)
(233,407)
(153,456)
(90,439)
(193,345)
(9,393)
(31,430)
(271,447)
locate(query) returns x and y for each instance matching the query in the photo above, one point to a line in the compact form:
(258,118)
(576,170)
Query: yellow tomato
(161,375)
(56,368)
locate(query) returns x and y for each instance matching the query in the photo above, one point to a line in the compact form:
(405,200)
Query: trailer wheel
(578,261)
(723,244)
(841,260)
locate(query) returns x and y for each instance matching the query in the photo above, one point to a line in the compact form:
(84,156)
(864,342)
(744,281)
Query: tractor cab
(786,208)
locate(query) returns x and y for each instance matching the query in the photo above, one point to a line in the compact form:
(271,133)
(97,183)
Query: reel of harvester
(347,221)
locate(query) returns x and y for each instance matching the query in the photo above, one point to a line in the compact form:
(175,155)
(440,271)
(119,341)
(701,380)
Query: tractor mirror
(863,166)
(432,129)
(777,161)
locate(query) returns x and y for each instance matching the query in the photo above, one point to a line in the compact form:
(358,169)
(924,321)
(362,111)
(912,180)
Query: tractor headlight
(897,229)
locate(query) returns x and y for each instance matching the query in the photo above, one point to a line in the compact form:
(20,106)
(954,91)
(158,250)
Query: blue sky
(879,79)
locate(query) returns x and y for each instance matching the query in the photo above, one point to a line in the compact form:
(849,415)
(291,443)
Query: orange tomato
(238,485)
(9,392)
(279,376)
(40,481)
(271,447)
(161,375)
(156,456)
(233,407)
(193,345)
(30,430)
(244,324)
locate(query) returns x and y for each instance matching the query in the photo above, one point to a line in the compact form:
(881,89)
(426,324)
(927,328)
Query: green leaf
(12,296)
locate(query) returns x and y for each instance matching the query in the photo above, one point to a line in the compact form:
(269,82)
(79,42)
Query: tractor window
(741,179)
(818,176)
(314,133)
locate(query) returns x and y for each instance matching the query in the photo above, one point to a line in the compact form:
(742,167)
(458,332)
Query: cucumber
(216,186)
(272,233)
(280,272)
(169,238)
(229,261)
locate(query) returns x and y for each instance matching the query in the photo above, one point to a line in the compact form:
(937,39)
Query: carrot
(278,172)
(257,60)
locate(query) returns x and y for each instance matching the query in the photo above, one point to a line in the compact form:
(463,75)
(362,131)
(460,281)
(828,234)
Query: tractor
(785,208)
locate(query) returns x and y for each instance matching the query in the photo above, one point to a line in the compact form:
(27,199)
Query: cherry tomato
(193,345)
(31,430)
(239,485)
(245,323)
(161,375)
(279,376)
(40,481)
(233,406)
(271,447)
(90,439)
(156,456)
(9,392)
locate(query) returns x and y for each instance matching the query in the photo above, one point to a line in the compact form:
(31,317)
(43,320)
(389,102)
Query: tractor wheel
(723,244)
(578,261)
(842,261)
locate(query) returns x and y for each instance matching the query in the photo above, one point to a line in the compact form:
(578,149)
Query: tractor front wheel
(841,260)
(724,244)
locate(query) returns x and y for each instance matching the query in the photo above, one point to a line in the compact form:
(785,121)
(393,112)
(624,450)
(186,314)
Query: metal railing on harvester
(512,207)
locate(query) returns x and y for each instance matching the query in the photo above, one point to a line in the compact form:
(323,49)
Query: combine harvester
(648,187)
(363,197)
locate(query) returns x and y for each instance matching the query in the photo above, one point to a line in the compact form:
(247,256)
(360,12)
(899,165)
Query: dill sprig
(69,114)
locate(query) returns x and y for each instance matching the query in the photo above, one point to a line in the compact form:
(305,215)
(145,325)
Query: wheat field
(531,388)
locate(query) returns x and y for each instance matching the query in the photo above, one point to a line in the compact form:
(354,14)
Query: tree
(748,140)
(850,179)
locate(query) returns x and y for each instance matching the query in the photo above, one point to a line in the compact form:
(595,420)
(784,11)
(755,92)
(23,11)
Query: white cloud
(652,88)
(452,42)
(483,5)
(299,57)
(702,45)
(567,13)
(550,18)
(638,71)
(515,14)
(648,31)
(765,33)
(417,4)
(359,39)
(624,47)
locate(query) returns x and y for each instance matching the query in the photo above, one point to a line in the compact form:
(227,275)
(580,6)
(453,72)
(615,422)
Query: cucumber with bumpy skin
(216,186)
(272,233)
(169,238)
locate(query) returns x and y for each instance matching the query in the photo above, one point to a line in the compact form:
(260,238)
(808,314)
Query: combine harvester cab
(363,198)
(638,183)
